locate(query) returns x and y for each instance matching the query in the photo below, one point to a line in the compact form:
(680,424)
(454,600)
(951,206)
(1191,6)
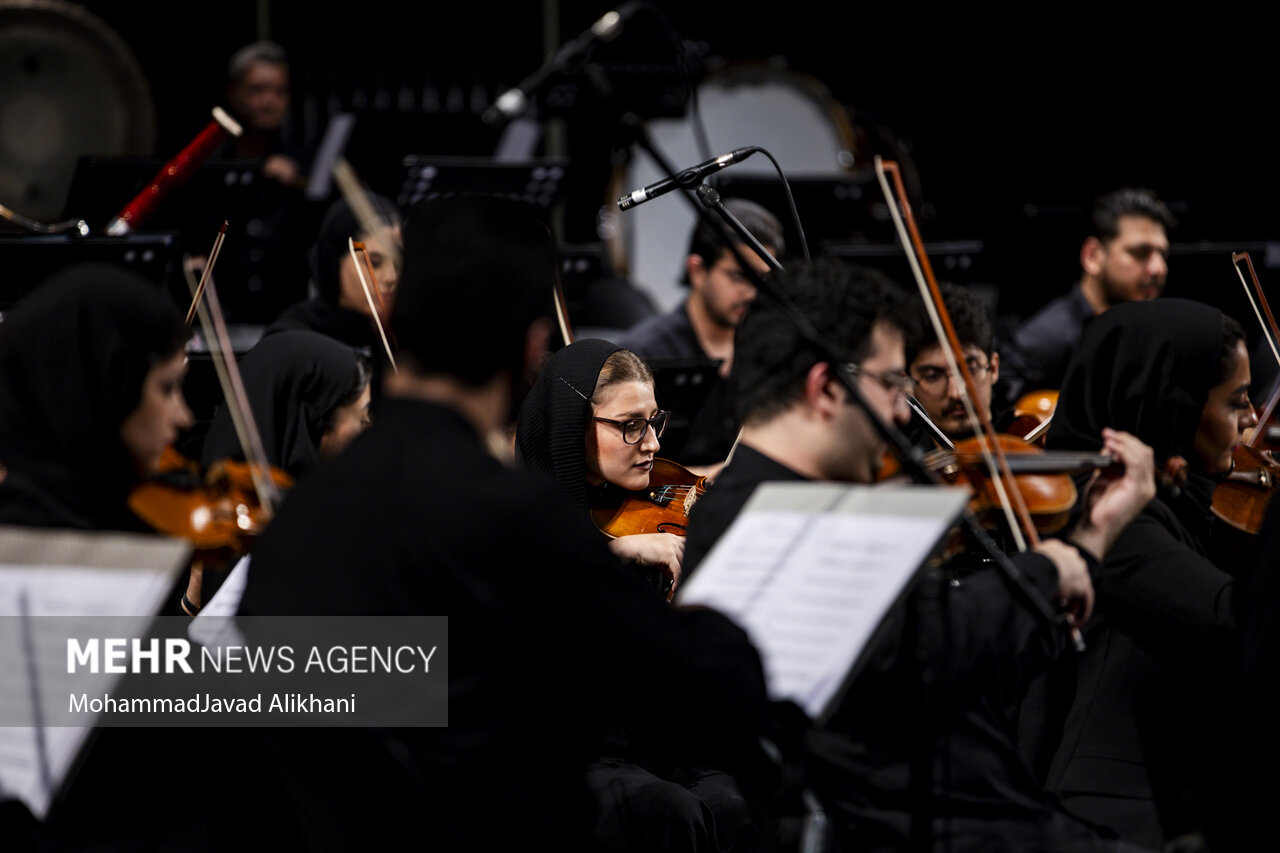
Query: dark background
(1012,123)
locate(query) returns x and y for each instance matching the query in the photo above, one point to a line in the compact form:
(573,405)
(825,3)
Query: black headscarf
(1145,368)
(322,313)
(294,381)
(551,431)
(73,358)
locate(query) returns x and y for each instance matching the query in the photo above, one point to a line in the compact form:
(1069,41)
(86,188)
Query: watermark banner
(256,671)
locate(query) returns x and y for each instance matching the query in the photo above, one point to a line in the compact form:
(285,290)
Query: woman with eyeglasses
(592,423)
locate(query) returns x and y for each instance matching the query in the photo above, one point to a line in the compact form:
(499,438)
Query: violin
(1043,478)
(1240,501)
(1032,414)
(661,508)
(214,510)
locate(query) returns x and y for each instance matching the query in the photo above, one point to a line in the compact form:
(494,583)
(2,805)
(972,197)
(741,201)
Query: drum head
(791,114)
(69,86)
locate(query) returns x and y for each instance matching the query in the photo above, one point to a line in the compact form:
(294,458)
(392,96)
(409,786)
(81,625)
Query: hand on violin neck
(1115,495)
(1075,587)
(664,550)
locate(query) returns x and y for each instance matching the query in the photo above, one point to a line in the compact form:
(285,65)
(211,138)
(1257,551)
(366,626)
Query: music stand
(539,182)
(29,259)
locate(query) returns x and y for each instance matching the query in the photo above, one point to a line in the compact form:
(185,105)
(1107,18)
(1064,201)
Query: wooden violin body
(1241,500)
(214,510)
(661,508)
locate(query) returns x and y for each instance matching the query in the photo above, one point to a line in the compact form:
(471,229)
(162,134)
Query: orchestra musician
(1175,373)
(1125,258)
(800,424)
(591,422)
(338,306)
(935,388)
(559,433)
(547,637)
(91,370)
(309,396)
(702,326)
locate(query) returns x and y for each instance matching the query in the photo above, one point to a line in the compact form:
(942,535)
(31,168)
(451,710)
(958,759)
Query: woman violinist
(592,423)
(309,396)
(91,370)
(1174,373)
(339,307)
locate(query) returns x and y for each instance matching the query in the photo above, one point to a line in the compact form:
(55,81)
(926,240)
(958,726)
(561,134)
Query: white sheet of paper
(46,573)
(810,569)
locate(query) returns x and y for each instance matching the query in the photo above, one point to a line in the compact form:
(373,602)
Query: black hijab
(294,381)
(322,313)
(73,358)
(551,432)
(1145,368)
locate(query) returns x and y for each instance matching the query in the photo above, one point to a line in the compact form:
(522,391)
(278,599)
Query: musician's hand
(1075,589)
(1114,497)
(281,168)
(664,550)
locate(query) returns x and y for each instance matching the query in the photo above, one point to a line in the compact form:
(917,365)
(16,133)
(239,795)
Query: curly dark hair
(969,316)
(842,301)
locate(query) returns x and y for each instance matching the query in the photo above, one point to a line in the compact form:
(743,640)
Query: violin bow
(1014,507)
(562,310)
(214,328)
(206,272)
(355,194)
(369,292)
(1269,331)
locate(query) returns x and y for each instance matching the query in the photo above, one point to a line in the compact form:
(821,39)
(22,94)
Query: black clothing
(665,337)
(861,761)
(546,635)
(321,313)
(73,358)
(349,327)
(551,431)
(714,426)
(645,798)
(1037,356)
(1164,613)
(293,381)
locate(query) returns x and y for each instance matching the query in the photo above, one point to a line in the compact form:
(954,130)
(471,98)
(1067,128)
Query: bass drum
(791,114)
(69,86)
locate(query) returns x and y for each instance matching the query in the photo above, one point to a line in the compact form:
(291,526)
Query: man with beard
(935,389)
(890,740)
(1124,259)
(702,327)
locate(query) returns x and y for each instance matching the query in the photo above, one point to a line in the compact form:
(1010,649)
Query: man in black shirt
(702,327)
(1125,258)
(935,389)
(801,424)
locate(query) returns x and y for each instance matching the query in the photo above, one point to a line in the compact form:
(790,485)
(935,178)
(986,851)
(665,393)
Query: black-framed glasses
(633,430)
(934,379)
(894,381)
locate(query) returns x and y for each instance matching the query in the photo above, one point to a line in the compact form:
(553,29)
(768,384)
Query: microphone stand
(931,592)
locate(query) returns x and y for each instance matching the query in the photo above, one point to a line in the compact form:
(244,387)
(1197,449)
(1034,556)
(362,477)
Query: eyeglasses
(894,381)
(934,379)
(633,430)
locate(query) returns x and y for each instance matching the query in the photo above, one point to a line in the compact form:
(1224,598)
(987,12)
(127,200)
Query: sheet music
(810,569)
(48,575)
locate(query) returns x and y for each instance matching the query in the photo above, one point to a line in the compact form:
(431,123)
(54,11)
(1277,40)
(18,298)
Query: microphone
(688,179)
(513,102)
